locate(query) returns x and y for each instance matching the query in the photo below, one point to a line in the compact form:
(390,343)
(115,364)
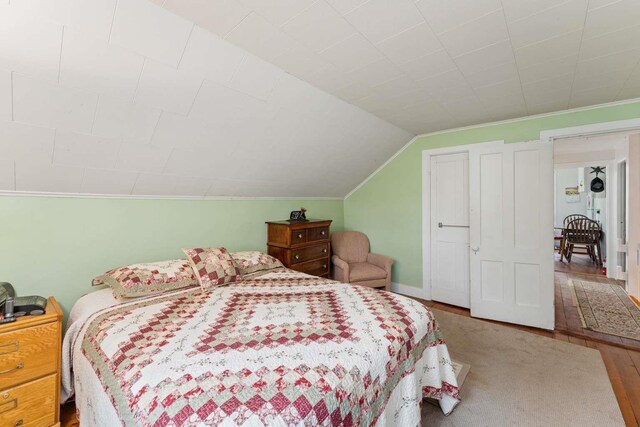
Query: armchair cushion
(384,262)
(361,271)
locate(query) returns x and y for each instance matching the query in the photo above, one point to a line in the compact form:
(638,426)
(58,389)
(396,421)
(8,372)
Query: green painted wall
(55,246)
(388,208)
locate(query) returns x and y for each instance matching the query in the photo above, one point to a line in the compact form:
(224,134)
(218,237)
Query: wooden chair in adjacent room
(584,232)
(565,223)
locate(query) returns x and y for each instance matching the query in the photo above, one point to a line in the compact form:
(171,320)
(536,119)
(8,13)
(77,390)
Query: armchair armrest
(381,261)
(340,269)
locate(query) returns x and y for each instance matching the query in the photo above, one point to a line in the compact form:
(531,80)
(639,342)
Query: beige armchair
(353,263)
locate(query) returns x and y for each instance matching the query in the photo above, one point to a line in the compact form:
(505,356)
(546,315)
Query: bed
(278,348)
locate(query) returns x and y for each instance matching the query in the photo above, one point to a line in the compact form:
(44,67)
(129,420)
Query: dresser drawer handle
(299,235)
(8,406)
(324,233)
(324,250)
(324,266)
(297,257)
(18,366)
(19,423)
(15,345)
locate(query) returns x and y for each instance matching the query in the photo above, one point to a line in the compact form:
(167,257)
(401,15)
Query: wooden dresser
(30,351)
(301,246)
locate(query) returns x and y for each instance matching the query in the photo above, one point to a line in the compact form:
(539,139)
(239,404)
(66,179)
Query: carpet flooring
(606,308)
(519,378)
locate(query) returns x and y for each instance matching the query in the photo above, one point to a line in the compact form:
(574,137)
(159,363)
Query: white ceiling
(132,97)
(125,97)
(428,65)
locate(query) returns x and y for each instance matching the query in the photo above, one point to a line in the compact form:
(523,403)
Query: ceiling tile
(219,104)
(217,16)
(545,70)
(484,31)
(549,90)
(42,103)
(375,73)
(278,11)
(428,66)
(167,185)
(611,17)
(547,23)
(500,73)
(631,88)
(300,62)
(6,100)
(548,107)
(353,91)
(503,93)
(29,45)
(396,87)
(445,80)
(212,57)
(554,48)
(74,149)
(198,163)
(166,88)
(142,158)
(318,27)
(624,39)
(260,37)
(45,177)
(7,174)
(175,130)
(345,6)
(24,142)
(597,78)
(119,119)
(351,53)
(150,31)
(91,17)
(95,65)
(620,60)
(102,181)
(445,15)
(256,77)
(485,58)
(518,9)
(598,95)
(378,20)
(410,44)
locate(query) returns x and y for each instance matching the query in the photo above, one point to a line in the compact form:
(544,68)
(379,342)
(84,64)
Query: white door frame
(426,206)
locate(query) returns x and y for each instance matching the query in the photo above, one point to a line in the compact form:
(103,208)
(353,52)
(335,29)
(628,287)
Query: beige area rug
(606,308)
(519,378)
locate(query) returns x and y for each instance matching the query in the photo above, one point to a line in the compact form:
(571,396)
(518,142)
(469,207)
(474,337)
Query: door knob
(475,250)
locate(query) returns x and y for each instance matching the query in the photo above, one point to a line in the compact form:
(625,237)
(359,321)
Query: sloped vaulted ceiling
(125,97)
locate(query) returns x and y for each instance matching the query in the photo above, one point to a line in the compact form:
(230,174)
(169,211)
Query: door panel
(449,222)
(511,219)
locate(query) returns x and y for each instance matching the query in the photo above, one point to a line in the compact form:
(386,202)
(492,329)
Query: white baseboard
(407,290)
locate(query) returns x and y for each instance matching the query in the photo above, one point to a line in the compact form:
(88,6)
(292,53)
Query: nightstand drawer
(30,405)
(28,353)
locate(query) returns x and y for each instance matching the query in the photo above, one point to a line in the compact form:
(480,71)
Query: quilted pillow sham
(213,266)
(251,261)
(149,278)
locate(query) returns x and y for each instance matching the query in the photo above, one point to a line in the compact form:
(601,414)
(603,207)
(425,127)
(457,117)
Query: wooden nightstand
(30,351)
(301,246)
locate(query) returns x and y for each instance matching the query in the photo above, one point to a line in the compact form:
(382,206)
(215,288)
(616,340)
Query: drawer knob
(324,251)
(19,423)
(18,366)
(324,233)
(324,266)
(299,235)
(5,395)
(297,256)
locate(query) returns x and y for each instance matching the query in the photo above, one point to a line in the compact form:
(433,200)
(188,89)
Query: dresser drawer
(309,253)
(30,405)
(316,268)
(318,233)
(298,236)
(28,353)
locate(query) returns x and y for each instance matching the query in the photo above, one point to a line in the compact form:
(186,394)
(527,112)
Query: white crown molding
(496,123)
(136,197)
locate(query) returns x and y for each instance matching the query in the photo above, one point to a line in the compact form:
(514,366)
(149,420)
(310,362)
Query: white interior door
(511,235)
(449,223)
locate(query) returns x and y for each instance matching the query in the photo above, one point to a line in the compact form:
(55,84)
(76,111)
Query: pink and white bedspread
(279,349)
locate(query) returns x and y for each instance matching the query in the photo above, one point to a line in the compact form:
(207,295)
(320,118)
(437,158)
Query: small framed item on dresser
(301,246)
(30,352)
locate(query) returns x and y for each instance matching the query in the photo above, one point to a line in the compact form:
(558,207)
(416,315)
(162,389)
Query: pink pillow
(213,266)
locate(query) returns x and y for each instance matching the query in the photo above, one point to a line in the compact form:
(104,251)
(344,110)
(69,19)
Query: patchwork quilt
(279,348)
